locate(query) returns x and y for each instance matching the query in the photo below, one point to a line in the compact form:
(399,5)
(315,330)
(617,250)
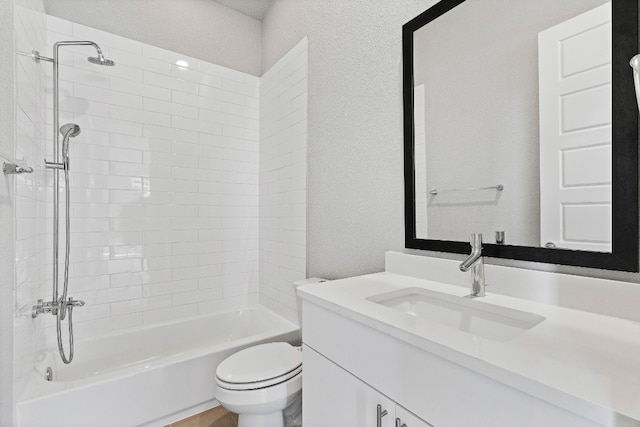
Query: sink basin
(462,313)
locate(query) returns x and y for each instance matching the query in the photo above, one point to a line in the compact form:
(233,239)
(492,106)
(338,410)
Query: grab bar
(498,187)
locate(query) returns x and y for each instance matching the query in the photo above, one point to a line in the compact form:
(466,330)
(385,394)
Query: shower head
(101,60)
(70,130)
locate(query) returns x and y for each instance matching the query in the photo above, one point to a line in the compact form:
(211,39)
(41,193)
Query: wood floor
(216,417)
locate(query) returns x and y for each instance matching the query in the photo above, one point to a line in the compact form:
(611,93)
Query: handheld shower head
(70,130)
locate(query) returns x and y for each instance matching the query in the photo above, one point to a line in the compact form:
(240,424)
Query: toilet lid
(259,365)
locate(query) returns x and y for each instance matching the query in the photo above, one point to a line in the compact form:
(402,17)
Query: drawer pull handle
(379,414)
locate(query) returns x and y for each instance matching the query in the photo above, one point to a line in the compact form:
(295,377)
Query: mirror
(521,123)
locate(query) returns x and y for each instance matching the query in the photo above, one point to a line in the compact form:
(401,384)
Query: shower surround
(164,183)
(181,169)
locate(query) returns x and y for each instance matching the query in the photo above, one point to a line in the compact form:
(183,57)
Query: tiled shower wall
(283,180)
(164,182)
(29,197)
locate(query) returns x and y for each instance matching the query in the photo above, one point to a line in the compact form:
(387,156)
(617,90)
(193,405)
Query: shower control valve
(42,307)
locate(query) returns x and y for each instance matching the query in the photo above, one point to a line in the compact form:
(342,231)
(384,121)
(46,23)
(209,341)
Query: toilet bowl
(263,383)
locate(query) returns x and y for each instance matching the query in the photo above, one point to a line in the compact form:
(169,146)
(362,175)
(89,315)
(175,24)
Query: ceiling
(256,9)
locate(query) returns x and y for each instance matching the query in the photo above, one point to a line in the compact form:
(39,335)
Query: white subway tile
(249,90)
(103,296)
(241,110)
(171,108)
(197,296)
(139,61)
(88,195)
(108,96)
(170,313)
(161,132)
(139,305)
(141,89)
(125,196)
(139,116)
(196,101)
(194,76)
(176,150)
(116,126)
(229,119)
(221,95)
(168,56)
(83,76)
(170,287)
(161,80)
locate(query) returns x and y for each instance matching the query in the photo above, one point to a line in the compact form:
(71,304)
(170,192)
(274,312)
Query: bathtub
(150,376)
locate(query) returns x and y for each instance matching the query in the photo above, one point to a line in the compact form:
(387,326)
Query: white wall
(283,180)
(200,28)
(164,182)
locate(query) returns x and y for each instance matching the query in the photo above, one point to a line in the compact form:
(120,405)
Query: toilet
(263,383)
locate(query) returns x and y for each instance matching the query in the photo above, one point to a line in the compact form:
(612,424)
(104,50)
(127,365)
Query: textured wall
(355,133)
(200,28)
(283,180)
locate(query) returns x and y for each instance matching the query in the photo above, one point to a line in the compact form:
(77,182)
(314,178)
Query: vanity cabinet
(352,364)
(334,397)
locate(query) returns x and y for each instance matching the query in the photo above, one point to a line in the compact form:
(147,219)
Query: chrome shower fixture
(98,60)
(635,64)
(101,60)
(60,305)
(70,130)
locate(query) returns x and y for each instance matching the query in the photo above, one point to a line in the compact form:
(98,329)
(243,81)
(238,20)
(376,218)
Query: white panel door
(575,132)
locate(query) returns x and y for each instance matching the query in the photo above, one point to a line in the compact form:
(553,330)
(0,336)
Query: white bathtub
(150,376)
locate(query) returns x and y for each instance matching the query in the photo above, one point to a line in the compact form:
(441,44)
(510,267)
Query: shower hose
(63,304)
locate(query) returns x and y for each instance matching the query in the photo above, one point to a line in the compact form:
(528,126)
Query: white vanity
(406,343)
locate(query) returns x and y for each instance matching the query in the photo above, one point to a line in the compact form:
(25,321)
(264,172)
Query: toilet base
(273,419)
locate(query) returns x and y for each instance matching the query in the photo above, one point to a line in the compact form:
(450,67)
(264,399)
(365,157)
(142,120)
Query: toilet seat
(260,366)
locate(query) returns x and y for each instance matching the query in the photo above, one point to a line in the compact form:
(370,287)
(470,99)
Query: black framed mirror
(445,98)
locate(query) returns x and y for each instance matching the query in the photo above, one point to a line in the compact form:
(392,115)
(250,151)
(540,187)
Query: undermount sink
(465,314)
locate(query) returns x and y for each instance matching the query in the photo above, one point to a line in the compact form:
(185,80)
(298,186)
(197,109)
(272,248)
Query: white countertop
(591,357)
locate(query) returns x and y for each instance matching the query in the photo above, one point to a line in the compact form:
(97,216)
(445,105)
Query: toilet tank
(298,283)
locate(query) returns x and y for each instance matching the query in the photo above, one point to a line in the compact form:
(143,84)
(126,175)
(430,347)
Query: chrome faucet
(476,264)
